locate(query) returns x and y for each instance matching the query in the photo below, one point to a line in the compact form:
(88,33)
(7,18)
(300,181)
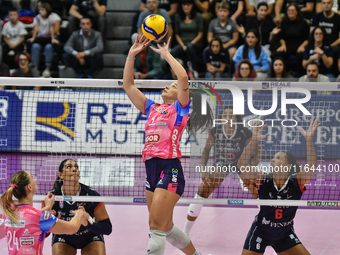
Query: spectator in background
(236,7)
(306,7)
(278,70)
(84,49)
(170,6)
(148,65)
(216,60)
(188,33)
(253,5)
(261,22)
(94,9)
(245,71)
(14,36)
(293,36)
(319,52)
(313,74)
(45,36)
(256,54)
(330,21)
(23,59)
(202,6)
(152,6)
(225,29)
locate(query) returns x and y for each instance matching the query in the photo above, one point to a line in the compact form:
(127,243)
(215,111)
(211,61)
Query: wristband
(130,59)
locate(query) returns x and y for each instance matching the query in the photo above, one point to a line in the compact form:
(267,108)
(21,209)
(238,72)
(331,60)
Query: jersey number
(9,240)
(278,214)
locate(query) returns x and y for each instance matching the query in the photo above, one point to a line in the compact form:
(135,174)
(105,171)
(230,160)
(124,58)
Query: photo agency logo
(239,103)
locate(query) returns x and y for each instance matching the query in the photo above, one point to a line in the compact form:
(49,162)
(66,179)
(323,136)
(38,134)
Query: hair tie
(13,186)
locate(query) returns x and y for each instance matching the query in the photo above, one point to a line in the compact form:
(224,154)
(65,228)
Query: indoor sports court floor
(218,230)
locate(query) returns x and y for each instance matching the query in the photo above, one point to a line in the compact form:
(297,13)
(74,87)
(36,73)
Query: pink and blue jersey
(27,237)
(164,129)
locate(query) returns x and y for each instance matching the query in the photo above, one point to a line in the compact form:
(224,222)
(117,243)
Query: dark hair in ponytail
(197,121)
(20,179)
(294,165)
(58,181)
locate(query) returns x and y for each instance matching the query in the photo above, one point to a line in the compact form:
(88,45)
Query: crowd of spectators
(214,39)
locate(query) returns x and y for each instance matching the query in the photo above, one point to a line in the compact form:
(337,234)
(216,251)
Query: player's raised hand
(162,49)
(257,132)
(309,133)
(141,43)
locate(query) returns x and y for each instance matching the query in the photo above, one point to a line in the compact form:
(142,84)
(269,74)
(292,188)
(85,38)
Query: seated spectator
(14,36)
(84,49)
(225,29)
(235,8)
(261,22)
(152,6)
(313,74)
(188,33)
(94,9)
(216,60)
(330,21)
(45,36)
(278,70)
(306,7)
(244,71)
(23,59)
(253,5)
(170,6)
(319,52)
(256,54)
(293,36)
(148,65)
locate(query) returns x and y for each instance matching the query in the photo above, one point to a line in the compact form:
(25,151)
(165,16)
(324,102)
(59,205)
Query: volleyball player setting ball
(25,226)
(161,154)
(230,142)
(89,239)
(274,224)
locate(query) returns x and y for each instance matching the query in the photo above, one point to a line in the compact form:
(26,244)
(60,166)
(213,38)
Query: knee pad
(157,241)
(195,209)
(177,238)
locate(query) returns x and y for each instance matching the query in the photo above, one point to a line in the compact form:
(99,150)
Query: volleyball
(154,27)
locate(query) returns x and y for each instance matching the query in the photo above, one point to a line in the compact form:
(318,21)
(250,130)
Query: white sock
(193,211)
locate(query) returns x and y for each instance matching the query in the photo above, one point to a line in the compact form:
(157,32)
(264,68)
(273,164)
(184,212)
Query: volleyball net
(94,123)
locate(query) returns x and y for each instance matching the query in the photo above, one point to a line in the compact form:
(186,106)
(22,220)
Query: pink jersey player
(163,129)
(27,237)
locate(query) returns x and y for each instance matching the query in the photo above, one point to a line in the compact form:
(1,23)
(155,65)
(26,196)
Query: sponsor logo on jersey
(174,143)
(164,112)
(26,241)
(291,236)
(55,121)
(164,124)
(46,215)
(174,174)
(258,239)
(21,223)
(152,138)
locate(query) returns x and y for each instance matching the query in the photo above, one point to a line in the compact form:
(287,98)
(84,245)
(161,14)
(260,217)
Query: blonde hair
(17,188)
